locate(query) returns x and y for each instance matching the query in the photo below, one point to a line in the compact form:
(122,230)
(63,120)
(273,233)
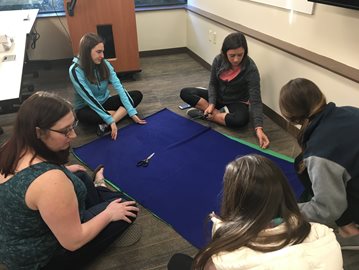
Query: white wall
(161,29)
(330,31)
(54,42)
(277,67)
(155,30)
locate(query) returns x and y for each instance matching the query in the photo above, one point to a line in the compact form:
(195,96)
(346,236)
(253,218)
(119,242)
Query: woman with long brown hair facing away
(260,226)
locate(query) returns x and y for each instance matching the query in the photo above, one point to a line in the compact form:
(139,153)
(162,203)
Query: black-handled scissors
(144,162)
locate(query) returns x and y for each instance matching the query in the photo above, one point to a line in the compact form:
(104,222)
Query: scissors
(145,162)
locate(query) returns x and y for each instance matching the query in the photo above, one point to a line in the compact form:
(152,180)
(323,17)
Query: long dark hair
(255,191)
(87,43)
(41,110)
(234,41)
(299,101)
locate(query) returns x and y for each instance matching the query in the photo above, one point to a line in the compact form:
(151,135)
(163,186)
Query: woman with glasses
(50,218)
(91,75)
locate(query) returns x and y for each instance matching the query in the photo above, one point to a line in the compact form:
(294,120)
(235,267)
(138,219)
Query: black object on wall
(353,4)
(105,31)
(71,7)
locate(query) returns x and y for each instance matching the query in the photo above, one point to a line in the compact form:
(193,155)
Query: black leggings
(180,261)
(238,115)
(97,200)
(88,116)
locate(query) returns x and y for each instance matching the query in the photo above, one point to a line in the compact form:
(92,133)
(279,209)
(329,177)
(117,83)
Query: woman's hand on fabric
(138,120)
(262,138)
(75,168)
(119,210)
(113,131)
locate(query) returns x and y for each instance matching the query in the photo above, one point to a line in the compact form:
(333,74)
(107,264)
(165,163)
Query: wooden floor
(161,79)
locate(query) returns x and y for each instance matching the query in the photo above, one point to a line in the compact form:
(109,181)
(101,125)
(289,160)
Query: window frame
(53,11)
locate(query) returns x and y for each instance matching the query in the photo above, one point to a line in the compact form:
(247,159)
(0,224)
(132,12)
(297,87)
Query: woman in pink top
(234,90)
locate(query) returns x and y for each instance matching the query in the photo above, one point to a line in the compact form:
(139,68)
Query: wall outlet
(210,35)
(214,39)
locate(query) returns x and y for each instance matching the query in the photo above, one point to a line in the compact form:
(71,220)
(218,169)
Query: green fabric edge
(256,147)
(118,189)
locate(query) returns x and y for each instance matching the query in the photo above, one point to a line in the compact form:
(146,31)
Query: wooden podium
(113,20)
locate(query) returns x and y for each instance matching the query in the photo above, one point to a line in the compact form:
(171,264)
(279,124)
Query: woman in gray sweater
(234,88)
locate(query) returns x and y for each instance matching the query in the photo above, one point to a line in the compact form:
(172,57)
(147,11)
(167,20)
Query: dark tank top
(26,242)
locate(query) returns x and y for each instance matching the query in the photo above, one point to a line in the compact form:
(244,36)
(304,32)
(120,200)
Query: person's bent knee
(137,97)
(185,93)
(188,96)
(85,178)
(235,120)
(88,116)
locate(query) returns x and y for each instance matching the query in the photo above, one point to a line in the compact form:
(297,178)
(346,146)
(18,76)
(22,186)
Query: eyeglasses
(66,131)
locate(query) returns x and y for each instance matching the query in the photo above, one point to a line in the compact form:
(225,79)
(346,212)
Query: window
(151,3)
(57,6)
(19,4)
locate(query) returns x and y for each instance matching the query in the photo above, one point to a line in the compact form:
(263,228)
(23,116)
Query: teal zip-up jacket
(94,95)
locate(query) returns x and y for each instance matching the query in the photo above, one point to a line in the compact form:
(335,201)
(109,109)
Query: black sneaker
(195,113)
(102,130)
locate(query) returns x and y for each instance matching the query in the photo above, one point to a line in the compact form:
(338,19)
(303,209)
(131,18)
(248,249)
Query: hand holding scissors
(144,162)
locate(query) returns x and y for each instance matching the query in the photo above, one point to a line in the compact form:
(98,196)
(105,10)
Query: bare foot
(100,179)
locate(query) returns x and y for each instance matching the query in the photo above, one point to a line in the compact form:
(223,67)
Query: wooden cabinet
(115,21)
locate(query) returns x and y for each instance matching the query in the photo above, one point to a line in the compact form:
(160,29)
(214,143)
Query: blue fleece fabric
(183,181)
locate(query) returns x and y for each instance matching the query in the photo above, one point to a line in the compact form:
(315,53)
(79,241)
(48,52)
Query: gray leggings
(238,115)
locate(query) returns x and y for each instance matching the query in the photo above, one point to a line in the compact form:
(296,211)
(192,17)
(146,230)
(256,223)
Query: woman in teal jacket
(91,75)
